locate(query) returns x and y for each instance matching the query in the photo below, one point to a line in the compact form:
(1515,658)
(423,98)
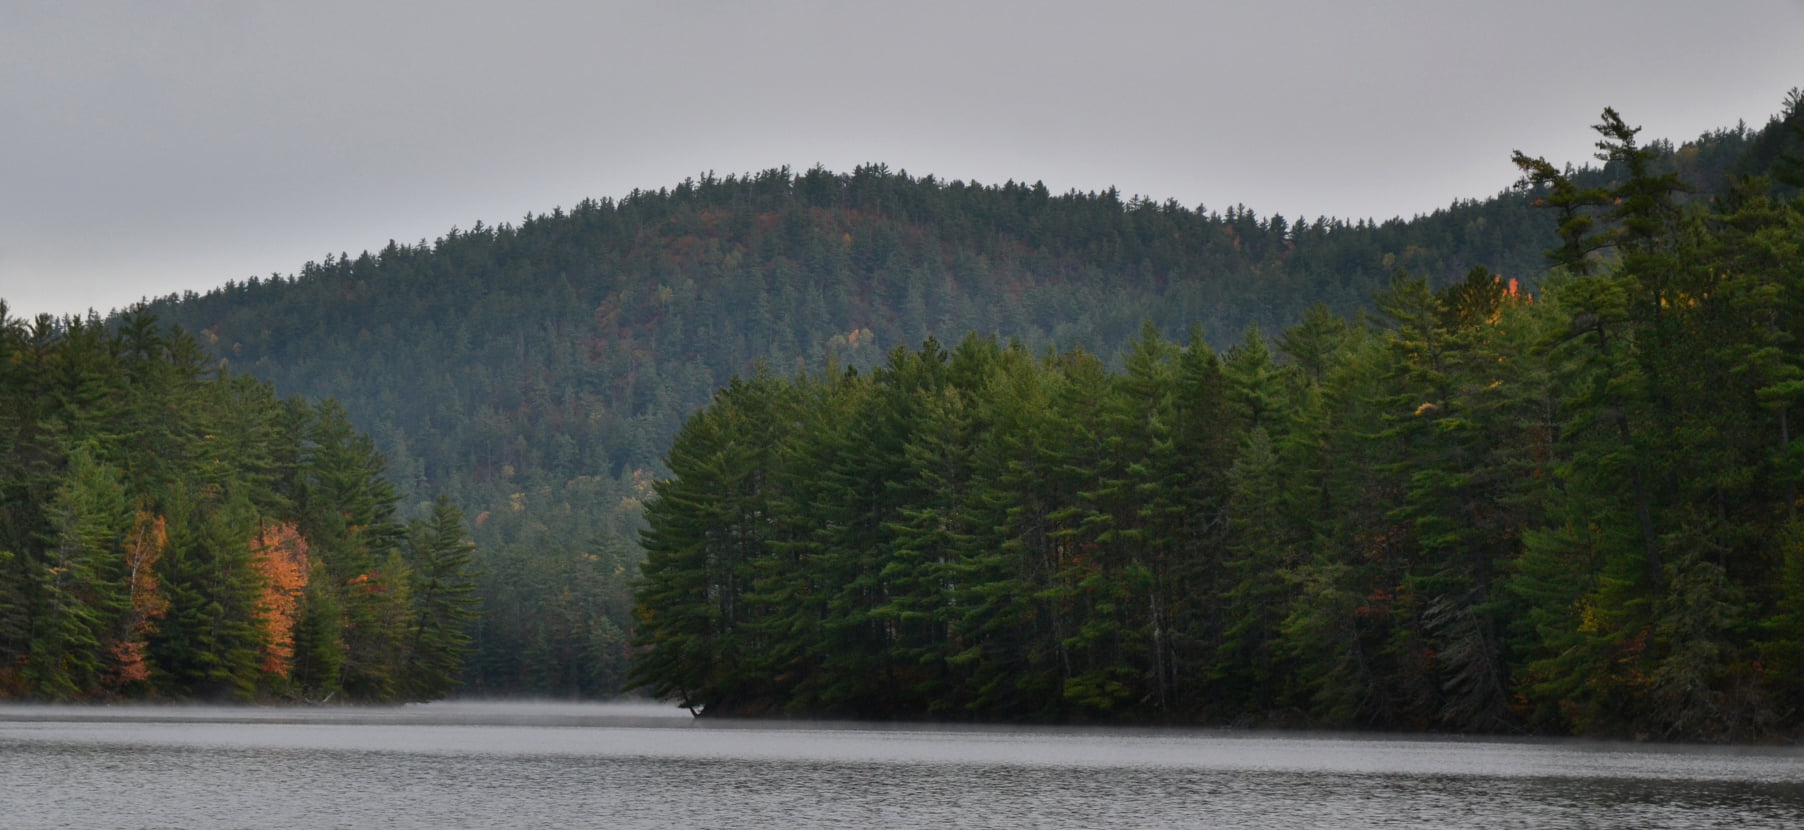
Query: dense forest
(169,530)
(1571,509)
(535,373)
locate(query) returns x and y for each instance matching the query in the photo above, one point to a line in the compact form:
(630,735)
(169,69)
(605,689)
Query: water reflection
(537,765)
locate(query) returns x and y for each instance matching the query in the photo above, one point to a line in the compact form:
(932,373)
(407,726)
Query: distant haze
(151,148)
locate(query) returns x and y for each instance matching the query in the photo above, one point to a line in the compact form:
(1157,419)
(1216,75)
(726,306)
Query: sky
(156,148)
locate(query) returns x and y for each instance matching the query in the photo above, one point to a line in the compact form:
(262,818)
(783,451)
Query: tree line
(170,530)
(534,372)
(1571,511)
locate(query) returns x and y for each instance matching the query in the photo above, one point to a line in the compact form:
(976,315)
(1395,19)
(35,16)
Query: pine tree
(80,593)
(705,531)
(440,559)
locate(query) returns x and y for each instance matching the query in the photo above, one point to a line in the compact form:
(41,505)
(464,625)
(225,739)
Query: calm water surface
(632,766)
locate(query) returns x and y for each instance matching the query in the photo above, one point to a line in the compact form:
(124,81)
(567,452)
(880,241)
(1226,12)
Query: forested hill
(536,372)
(1573,511)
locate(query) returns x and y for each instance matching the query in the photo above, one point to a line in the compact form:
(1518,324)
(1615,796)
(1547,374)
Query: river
(467,764)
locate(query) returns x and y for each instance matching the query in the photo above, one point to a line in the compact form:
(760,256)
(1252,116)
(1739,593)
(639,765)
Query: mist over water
(630,765)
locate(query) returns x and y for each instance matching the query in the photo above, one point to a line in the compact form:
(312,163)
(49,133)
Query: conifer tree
(79,588)
(440,559)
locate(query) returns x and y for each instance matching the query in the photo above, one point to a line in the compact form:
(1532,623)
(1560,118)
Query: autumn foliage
(171,531)
(144,544)
(279,555)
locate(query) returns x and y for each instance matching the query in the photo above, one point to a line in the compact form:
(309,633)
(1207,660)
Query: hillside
(535,372)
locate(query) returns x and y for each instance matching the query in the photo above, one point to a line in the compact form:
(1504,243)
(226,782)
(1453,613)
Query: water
(632,766)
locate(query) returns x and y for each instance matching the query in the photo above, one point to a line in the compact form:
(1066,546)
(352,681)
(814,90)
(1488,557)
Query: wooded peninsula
(1479,509)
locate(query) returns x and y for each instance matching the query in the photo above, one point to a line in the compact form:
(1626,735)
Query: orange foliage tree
(144,545)
(279,555)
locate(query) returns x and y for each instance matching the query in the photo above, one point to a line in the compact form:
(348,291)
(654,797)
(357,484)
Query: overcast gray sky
(147,148)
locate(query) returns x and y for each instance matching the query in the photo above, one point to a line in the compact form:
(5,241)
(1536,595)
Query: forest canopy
(536,372)
(1572,510)
(169,530)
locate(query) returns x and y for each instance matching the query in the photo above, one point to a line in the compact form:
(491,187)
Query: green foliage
(440,557)
(79,591)
(1483,510)
(148,523)
(535,372)
(980,534)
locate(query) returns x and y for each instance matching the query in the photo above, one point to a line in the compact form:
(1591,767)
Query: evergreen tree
(79,587)
(440,557)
